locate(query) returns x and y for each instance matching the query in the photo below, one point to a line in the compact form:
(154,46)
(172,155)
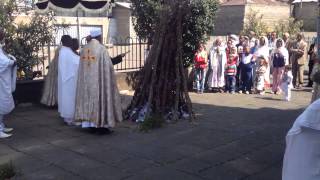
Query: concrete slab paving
(234,137)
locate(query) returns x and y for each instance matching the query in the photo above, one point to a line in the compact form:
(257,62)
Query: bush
(153,122)
(7,171)
(25,40)
(292,26)
(255,23)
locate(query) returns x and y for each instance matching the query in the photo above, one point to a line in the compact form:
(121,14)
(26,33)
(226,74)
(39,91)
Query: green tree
(25,40)
(254,22)
(197,24)
(6,18)
(292,26)
(174,29)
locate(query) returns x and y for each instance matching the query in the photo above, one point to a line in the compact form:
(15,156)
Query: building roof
(245,2)
(124,4)
(302,1)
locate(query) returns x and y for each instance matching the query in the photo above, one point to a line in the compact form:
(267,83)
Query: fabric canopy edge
(45,6)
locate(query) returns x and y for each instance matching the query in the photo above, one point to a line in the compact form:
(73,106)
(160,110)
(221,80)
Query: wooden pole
(78,27)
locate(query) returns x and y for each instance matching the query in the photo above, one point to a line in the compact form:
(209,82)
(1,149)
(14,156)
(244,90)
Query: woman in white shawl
(279,59)
(217,61)
(302,155)
(263,53)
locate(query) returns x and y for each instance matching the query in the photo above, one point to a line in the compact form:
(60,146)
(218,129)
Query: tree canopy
(25,39)
(196,24)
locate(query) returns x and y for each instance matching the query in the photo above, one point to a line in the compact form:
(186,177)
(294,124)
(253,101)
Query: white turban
(95,33)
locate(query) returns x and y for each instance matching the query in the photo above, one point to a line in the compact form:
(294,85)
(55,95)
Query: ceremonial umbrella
(74,6)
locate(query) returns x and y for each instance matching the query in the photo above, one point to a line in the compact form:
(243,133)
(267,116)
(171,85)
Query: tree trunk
(162,84)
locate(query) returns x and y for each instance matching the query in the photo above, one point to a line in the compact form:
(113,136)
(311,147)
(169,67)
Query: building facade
(306,10)
(232,14)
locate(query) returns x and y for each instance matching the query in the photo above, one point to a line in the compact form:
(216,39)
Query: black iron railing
(135,48)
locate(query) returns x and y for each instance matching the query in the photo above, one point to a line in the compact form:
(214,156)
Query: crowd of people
(250,64)
(83,84)
(84,88)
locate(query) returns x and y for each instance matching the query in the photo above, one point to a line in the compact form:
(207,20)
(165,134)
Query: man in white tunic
(217,61)
(68,65)
(98,103)
(302,156)
(7,86)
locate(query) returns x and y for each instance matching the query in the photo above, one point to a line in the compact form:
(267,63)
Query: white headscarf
(263,51)
(283,50)
(234,38)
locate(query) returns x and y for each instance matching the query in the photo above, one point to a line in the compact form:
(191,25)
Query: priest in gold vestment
(97,98)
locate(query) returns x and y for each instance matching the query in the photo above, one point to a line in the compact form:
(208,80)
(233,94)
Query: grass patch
(153,122)
(7,171)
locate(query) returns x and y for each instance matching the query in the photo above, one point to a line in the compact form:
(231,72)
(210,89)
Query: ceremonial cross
(88,57)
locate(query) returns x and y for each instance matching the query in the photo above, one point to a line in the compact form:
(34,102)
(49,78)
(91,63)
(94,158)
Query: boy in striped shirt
(231,70)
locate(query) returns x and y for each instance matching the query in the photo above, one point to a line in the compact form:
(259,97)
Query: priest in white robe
(68,64)
(98,103)
(302,155)
(217,62)
(8,72)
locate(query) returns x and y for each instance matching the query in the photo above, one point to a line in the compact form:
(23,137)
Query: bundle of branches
(162,83)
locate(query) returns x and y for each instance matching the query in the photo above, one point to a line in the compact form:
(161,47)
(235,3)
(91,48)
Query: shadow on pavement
(224,142)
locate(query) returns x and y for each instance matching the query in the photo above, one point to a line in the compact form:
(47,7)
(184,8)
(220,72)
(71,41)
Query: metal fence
(134,60)
(310,40)
(135,48)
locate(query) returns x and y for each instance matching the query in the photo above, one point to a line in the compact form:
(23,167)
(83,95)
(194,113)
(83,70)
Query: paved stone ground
(234,137)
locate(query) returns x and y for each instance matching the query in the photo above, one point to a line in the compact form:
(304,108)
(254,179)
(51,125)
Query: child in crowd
(231,70)
(238,76)
(287,83)
(246,70)
(200,61)
(259,79)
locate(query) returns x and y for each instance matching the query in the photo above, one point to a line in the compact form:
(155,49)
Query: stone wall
(271,13)
(307,12)
(122,16)
(229,19)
